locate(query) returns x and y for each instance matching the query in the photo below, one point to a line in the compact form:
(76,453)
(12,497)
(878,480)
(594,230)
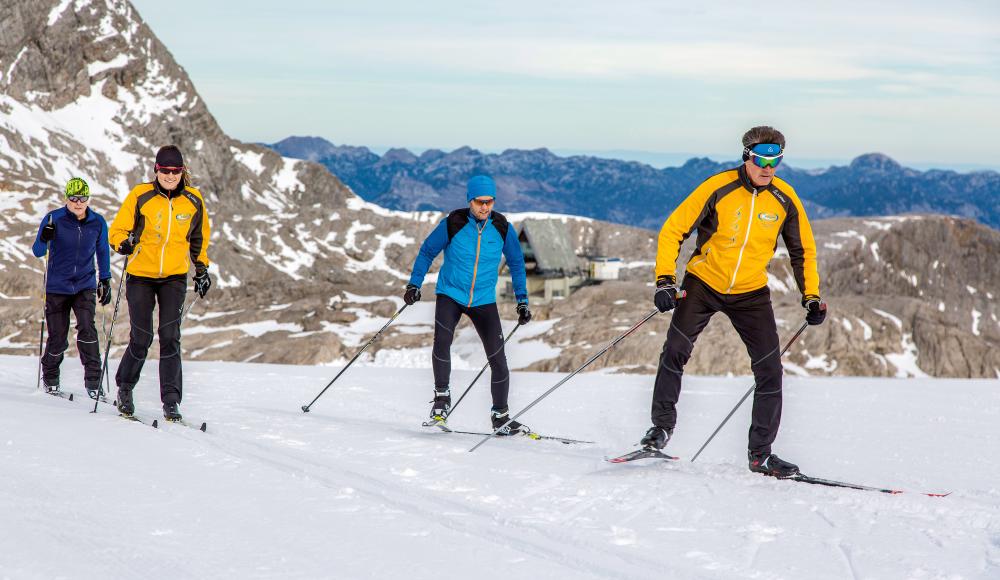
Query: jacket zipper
(739,258)
(170,219)
(475,266)
(79,242)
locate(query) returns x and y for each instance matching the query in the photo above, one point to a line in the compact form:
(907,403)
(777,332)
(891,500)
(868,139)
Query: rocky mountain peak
(875,162)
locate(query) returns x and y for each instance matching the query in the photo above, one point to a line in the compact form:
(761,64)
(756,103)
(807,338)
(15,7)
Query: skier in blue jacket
(73,236)
(473,240)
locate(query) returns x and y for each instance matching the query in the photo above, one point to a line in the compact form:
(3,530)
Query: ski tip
(156,424)
(71,396)
(203,428)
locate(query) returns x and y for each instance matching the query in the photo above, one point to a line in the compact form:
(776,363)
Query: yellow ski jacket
(171,232)
(738,226)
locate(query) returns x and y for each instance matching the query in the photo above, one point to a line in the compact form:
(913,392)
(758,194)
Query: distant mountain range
(634,193)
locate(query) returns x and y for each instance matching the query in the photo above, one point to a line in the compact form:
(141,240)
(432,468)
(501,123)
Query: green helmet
(77,186)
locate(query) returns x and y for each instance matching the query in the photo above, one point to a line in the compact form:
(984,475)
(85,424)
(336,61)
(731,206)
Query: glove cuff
(810,298)
(666,281)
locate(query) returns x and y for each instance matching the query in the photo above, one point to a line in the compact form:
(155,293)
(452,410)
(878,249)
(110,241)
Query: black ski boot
(94,389)
(171,412)
(771,464)
(656,438)
(440,407)
(499,417)
(51,387)
(125,405)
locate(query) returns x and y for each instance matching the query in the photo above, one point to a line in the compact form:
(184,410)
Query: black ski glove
(523,314)
(48,232)
(127,246)
(202,282)
(411,295)
(104,291)
(815,309)
(665,297)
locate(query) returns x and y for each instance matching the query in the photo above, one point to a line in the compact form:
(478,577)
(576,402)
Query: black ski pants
(57,309)
(752,316)
(486,320)
(143,294)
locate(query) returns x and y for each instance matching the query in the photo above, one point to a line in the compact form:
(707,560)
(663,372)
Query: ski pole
(305,408)
(752,387)
(45,296)
(107,343)
(184,316)
(570,376)
(104,330)
(483,370)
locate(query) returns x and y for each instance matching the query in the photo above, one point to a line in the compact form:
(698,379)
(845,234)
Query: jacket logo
(183,217)
(767,217)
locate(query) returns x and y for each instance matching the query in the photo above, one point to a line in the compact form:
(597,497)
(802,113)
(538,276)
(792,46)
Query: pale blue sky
(917,80)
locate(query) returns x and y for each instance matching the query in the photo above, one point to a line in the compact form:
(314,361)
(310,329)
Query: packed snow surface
(357,489)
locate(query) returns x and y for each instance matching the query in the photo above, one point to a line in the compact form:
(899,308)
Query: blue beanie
(481,186)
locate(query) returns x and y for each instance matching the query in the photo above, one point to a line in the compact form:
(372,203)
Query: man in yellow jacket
(163,229)
(738,215)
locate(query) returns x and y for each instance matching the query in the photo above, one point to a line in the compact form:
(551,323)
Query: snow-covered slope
(357,489)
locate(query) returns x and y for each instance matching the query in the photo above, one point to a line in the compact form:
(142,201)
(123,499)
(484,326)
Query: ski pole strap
(747,394)
(481,371)
(628,332)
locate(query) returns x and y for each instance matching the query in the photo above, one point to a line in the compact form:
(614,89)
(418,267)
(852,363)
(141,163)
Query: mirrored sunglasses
(169,170)
(78,198)
(766,161)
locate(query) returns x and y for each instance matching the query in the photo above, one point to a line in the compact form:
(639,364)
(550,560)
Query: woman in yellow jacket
(163,229)
(739,215)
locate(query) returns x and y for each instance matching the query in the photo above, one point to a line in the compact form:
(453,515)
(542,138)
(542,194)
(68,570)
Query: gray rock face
(94,93)
(305,270)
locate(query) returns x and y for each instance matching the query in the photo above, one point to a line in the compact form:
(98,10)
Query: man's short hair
(763,134)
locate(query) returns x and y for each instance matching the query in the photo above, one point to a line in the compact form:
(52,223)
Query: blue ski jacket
(472,252)
(72,251)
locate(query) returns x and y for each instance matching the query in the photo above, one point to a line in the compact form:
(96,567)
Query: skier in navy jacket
(73,236)
(473,240)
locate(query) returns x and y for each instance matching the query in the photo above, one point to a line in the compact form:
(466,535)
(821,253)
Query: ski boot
(771,464)
(440,407)
(51,388)
(499,417)
(171,412)
(656,438)
(124,403)
(94,390)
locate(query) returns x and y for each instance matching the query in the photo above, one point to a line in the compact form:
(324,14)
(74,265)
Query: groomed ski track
(357,489)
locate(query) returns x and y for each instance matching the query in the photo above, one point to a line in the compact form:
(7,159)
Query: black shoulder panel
(501,224)
(456,221)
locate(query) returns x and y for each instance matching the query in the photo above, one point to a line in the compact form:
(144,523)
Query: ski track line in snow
(621,534)
(417,502)
(848,561)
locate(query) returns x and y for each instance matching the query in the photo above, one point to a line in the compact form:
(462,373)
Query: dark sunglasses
(78,198)
(169,170)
